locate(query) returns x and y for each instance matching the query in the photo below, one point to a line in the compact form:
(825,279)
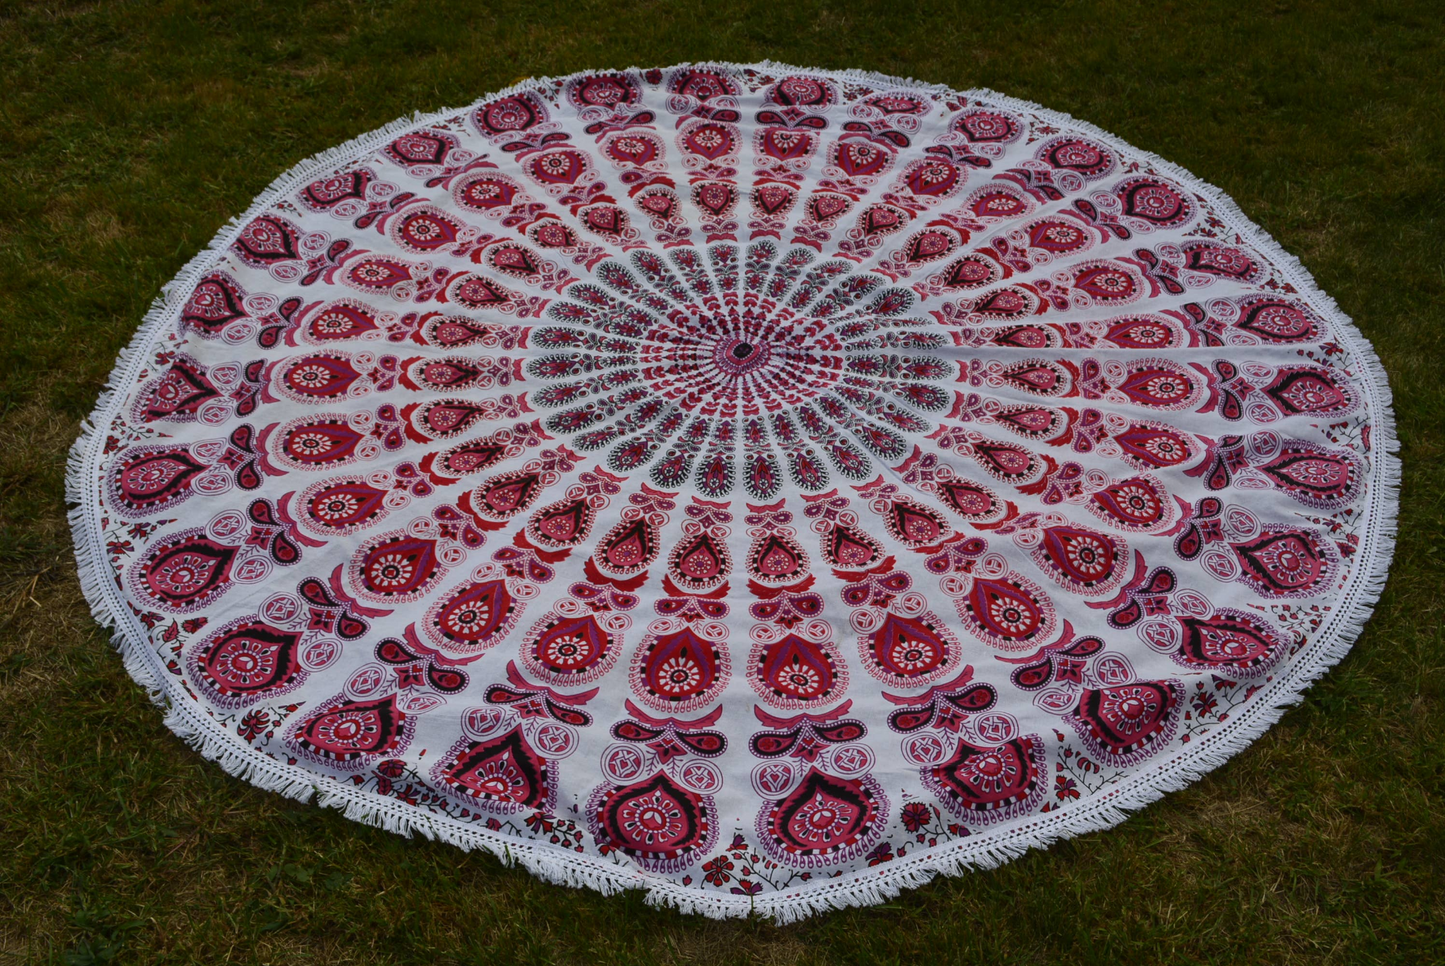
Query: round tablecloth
(766,487)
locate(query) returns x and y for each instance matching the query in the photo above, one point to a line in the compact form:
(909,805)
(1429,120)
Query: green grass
(130,132)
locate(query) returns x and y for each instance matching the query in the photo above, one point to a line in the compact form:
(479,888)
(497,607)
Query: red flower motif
(718,870)
(882,852)
(915,816)
(253,724)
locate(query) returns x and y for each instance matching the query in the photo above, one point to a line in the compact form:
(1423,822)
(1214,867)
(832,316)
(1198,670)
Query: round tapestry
(761,486)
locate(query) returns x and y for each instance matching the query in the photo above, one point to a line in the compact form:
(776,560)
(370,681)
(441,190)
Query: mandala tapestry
(764,487)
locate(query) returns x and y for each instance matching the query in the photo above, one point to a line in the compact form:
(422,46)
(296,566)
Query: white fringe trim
(865,887)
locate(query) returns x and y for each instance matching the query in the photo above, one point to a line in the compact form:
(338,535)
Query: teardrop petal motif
(503,775)
(661,824)
(1230,641)
(566,523)
(568,651)
(796,672)
(184,572)
(472,618)
(974,502)
(628,548)
(1286,561)
(396,568)
(915,525)
(906,652)
(348,735)
(1139,504)
(149,479)
(777,559)
(824,821)
(1012,613)
(504,496)
(1315,476)
(700,563)
(1128,723)
(1082,560)
(985,785)
(851,548)
(247,661)
(344,505)
(679,671)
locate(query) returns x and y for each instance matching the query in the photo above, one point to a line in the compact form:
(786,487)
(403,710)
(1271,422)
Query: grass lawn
(130,132)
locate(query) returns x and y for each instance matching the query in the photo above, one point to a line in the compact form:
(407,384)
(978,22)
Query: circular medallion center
(737,356)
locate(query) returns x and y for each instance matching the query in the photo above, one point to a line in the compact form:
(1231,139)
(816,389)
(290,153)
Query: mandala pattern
(868,475)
